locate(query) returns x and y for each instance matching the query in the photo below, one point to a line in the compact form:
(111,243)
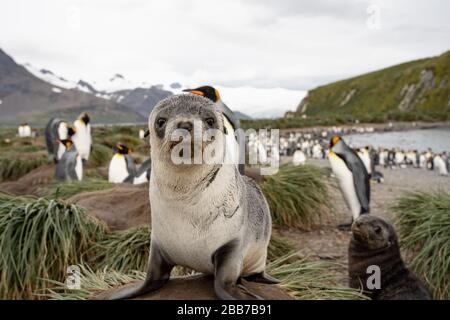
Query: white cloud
(256,43)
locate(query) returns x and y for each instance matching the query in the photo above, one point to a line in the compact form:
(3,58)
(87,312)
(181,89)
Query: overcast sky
(261,43)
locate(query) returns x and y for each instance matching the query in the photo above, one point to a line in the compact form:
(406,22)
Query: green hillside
(417,90)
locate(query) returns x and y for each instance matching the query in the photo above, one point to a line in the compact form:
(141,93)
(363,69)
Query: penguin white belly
(422,161)
(20,131)
(382,158)
(61,150)
(399,158)
(79,168)
(364,156)
(298,158)
(439,164)
(117,169)
(62,131)
(26,131)
(82,139)
(141,179)
(346,184)
(232,147)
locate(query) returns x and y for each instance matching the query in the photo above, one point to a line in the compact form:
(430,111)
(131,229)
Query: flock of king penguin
(70,145)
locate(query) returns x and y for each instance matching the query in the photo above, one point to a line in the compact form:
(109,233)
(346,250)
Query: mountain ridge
(25,96)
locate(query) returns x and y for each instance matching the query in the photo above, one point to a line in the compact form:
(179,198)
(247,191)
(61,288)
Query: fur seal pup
(207,217)
(374,242)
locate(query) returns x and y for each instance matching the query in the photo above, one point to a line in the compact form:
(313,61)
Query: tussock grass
(310,280)
(91,282)
(278,246)
(12,169)
(297,196)
(39,239)
(423,225)
(100,156)
(66,190)
(304,279)
(124,250)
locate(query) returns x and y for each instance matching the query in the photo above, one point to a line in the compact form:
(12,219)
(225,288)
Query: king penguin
(61,148)
(440,165)
(231,124)
(121,168)
(56,131)
(352,176)
(70,166)
(299,158)
(24,130)
(82,137)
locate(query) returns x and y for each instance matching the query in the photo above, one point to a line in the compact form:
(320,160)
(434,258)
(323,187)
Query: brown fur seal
(374,243)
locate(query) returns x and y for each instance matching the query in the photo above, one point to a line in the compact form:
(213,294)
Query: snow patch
(56,90)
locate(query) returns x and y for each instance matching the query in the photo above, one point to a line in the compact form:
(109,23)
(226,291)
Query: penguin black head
(122,149)
(85,118)
(334,140)
(66,142)
(207,92)
(71,131)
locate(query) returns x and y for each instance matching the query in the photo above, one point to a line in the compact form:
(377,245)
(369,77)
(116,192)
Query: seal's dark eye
(161,122)
(209,121)
(377,229)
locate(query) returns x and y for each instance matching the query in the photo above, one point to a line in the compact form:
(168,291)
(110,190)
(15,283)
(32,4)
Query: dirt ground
(328,243)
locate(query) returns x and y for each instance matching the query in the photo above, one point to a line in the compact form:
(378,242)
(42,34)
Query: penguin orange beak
(197,92)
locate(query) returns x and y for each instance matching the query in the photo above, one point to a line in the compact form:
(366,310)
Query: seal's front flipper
(157,275)
(262,277)
(227,262)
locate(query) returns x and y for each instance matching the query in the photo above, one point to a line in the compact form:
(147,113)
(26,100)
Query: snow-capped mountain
(37,95)
(142,96)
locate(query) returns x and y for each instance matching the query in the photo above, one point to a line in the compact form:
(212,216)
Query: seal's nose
(186,125)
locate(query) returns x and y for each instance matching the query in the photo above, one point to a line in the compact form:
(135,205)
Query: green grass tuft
(100,156)
(297,196)
(12,169)
(39,239)
(124,250)
(278,246)
(310,280)
(423,225)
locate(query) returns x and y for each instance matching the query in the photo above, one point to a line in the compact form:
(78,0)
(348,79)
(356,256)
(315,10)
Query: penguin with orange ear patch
(121,168)
(70,166)
(231,124)
(352,176)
